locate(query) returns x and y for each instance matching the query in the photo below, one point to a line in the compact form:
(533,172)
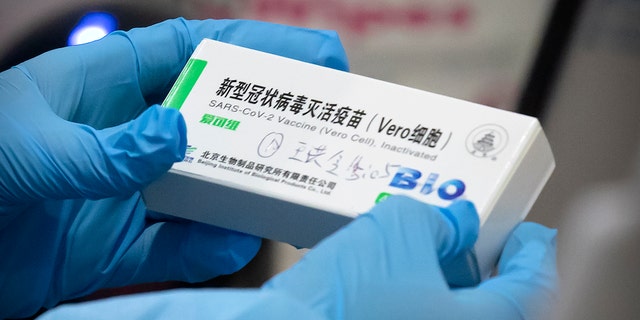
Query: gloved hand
(71,217)
(383,265)
(386,265)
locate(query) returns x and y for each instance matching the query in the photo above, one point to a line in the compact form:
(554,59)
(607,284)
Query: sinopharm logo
(220,122)
(191,149)
(186,80)
(187,156)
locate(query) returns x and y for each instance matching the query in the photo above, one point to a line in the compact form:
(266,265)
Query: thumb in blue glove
(72,219)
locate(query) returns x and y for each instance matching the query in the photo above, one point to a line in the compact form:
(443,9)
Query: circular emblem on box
(487,141)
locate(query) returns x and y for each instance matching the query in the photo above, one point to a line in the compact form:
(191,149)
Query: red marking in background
(460,16)
(361,17)
(419,17)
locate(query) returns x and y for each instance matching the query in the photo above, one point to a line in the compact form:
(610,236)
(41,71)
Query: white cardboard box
(292,151)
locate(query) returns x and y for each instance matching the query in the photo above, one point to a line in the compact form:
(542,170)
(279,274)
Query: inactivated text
(323,130)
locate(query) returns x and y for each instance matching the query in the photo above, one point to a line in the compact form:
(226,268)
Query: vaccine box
(292,151)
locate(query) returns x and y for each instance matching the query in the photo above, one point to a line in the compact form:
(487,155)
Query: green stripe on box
(186,80)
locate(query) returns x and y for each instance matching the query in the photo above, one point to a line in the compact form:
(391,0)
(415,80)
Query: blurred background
(573,64)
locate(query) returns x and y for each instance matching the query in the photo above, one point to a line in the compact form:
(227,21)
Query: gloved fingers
(159,68)
(397,244)
(397,238)
(463,216)
(526,284)
(94,84)
(123,73)
(111,243)
(451,230)
(61,160)
(321,47)
(187,251)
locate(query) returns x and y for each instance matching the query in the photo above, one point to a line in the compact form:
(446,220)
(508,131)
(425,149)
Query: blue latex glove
(383,265)
(71,217)
(387,266)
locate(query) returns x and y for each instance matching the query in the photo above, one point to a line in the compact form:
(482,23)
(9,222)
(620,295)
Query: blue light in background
(92,26)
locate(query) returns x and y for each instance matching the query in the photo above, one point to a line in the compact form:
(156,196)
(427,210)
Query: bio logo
(409,179)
